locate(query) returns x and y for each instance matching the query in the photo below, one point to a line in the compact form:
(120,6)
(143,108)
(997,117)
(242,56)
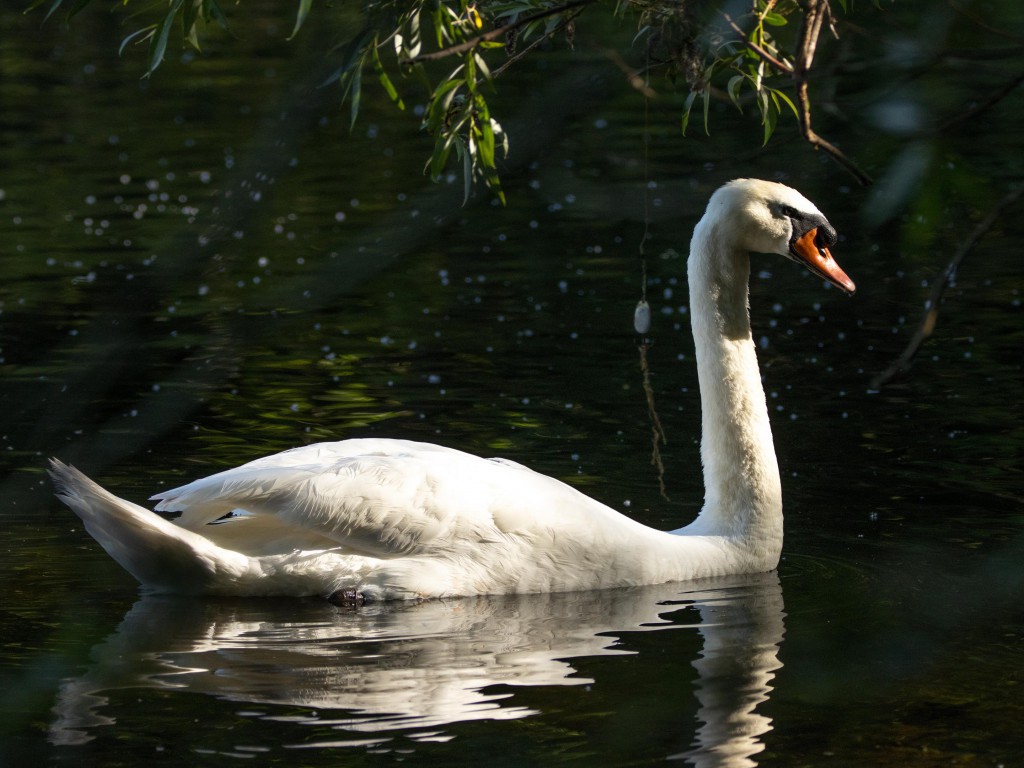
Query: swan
(386,519)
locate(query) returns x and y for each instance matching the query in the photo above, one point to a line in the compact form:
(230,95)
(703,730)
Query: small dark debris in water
(347,598)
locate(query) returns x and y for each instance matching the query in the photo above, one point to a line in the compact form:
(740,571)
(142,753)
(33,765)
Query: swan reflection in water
(423,666)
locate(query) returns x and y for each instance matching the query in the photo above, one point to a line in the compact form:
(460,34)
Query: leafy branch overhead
(453,50)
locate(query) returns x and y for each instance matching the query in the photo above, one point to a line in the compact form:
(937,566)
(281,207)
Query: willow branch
(517,56)
(931,315)
(816,13)
(497,32)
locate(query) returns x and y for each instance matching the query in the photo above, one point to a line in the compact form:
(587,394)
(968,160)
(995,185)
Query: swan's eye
(783,211)
(825,236)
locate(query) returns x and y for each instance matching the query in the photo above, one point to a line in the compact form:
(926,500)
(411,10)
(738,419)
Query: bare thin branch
(931,315)
(633,76)
(992,29)
(985,105)
(819,142)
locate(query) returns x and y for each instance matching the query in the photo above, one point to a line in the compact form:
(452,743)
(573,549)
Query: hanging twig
(657,431)
(931,314)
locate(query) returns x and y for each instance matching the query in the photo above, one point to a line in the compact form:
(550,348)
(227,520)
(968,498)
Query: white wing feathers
(381,499)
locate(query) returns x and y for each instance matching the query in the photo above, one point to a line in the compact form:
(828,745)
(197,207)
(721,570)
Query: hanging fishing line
(642,317)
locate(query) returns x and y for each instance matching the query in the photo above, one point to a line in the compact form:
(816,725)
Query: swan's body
(393,519)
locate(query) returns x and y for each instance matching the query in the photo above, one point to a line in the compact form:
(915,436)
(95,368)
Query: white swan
(393,519)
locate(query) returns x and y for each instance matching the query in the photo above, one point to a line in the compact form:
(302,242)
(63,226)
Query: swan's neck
(743,494)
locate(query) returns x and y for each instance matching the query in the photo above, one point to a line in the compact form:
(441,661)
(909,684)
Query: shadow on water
(384,675)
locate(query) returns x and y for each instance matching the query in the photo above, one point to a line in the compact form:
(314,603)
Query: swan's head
(767,217)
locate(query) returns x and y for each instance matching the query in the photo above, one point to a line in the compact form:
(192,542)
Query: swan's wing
(381,498)
(210,498)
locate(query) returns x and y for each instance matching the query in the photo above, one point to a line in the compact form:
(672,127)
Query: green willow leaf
(687,107)
(770,121)
(706,95)
(769,113)
(158,45)
(213,12)
(353,55)
(780,96)
(142,34)
(77,8)
(482,67)
(470,76)
(442,150)
(355,95)
(440,105)
(733,89)
(188,23)
(385,81)
(414,44)
(437,21)
(467,174)
(485,144)
(300,17)
(53,7)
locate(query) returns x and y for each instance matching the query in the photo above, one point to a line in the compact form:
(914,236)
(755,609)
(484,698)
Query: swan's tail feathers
(161,555)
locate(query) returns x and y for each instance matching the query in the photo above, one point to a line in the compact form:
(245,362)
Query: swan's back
(388,499)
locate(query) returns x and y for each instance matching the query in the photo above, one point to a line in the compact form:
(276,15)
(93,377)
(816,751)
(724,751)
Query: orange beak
(820,262)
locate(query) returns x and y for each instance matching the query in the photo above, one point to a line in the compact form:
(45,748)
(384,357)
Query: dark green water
(206,267)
